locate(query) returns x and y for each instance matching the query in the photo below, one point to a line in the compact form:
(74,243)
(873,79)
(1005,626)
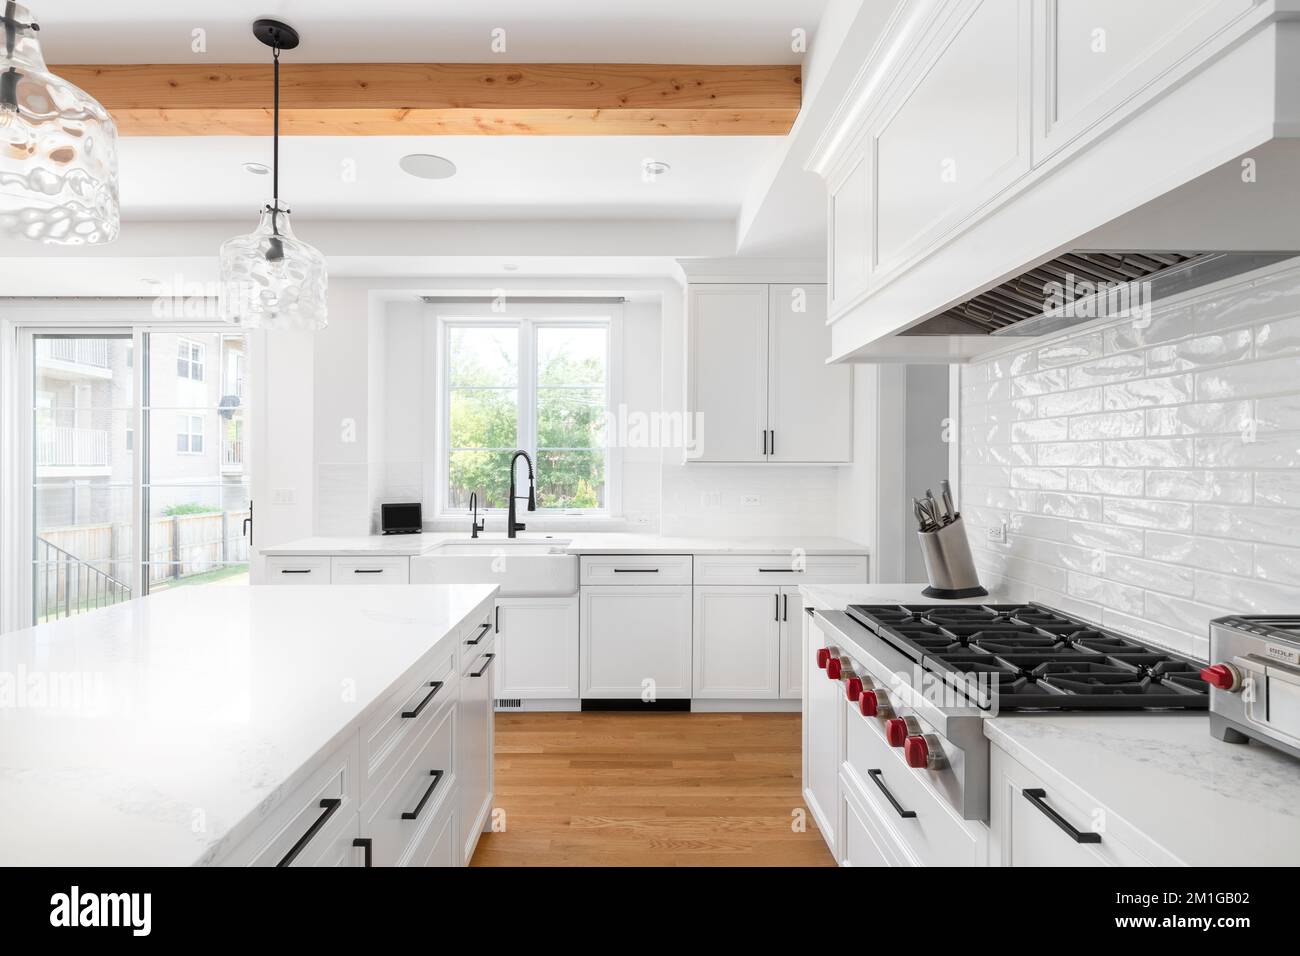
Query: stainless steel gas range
(931,674)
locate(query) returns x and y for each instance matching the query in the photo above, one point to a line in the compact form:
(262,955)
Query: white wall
(1150,472)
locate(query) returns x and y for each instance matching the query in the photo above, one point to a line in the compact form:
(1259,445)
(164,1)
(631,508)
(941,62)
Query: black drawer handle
(367,570)
(489,658)
(368,845)
(330,806)
(780,571)
(415,814)
(1038,797)
(295,570)
(482,633)
(636,570)
(876,778)
(437,686)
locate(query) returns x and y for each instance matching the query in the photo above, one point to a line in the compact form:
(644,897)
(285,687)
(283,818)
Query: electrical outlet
(750,501)
(998,534)
(711,500)
(282,496)
(641,520)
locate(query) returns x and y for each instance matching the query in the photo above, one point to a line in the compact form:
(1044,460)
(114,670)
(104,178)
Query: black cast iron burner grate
(1028,657)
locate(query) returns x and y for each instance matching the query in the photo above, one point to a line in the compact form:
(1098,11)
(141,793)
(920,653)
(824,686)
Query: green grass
(207,577)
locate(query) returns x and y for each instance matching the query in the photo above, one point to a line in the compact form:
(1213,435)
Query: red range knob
(916,752)
(896,731)
(834,668)
(823,657)
(1222,676)
(867,703)
(853,688)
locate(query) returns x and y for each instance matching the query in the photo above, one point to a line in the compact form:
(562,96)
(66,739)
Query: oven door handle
(877,778)
(1038,797)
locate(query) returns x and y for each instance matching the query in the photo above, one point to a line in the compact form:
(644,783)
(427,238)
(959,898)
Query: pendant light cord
(275,162)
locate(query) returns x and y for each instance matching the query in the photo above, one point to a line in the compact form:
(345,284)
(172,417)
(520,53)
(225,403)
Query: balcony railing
(62,446)
(64,584)
(87,351)
(232,453)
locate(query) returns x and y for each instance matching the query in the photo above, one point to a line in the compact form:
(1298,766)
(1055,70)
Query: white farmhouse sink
(521,568)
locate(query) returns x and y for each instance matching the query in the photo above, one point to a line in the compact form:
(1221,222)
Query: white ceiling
(516,177)
(431,31)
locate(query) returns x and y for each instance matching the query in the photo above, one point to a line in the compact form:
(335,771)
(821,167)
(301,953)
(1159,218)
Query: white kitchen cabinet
(737,643)
(351,571)
(823,738)
(810,403)
(757,379)
(476,740)
(862,844)
(727,367)
(305,569)
(1033,822)
(791,644)
(636,642)
(537,648)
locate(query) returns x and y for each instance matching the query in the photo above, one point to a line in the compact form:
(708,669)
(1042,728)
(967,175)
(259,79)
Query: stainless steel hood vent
(1079,286)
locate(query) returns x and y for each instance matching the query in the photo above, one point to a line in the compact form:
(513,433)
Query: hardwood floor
(615,789)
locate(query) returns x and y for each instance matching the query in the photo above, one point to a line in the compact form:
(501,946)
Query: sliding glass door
(140,465)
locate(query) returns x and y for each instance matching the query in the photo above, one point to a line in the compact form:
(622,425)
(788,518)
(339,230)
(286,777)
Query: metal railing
(82,351)
(64,585)
(63,445)
(232,452)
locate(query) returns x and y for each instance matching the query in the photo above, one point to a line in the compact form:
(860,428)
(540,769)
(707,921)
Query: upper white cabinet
(757,380)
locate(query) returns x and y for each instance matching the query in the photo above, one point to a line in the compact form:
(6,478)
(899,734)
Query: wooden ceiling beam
(446,99)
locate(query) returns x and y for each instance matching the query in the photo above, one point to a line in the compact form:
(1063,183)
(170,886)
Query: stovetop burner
(1029,657)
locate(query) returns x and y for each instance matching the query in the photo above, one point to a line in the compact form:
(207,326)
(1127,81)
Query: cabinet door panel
(959,137)
(737,642)
(537,642)
(475,741)
(727,370)
(791,644)
(634,640)
(810,403)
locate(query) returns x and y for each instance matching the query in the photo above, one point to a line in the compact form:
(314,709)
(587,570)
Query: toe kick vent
(509,703)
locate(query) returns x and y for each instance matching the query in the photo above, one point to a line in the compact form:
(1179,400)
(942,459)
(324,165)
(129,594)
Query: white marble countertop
(171,718)
(1204,801)
(574,542)
(836,597)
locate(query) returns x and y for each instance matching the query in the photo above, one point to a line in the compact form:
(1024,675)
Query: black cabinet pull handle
(780,571)
(764,441)
(785,610)
(777,614)
(415,814)
(330,806)
(482,633)
(368,845)
(437,686)
(295,570)
(773,451)
(1038,797)
(636,570)
(497,611)
(876,778)
(367,570)
(489,658)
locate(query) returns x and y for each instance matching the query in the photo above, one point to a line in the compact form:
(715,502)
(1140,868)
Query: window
(189,360)
(538,384)
(189,435)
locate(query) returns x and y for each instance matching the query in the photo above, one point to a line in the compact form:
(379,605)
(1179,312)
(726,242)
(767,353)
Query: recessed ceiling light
(257,169)
(652,169)
(425,166)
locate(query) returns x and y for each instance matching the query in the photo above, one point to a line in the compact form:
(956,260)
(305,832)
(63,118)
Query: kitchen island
(265,726)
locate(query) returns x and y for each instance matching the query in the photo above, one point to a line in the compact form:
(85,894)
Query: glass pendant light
(270,279)
(58,148)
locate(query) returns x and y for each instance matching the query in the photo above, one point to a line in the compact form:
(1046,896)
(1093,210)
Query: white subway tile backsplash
(1208,554)
(1205,485)
(1279,565)
(1149,470)
(1143,393)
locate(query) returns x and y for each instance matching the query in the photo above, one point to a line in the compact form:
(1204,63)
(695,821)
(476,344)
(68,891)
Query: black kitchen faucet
(513,526)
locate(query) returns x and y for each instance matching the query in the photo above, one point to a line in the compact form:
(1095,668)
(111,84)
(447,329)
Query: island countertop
(151,731)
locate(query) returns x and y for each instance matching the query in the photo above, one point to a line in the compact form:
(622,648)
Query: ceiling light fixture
(58,148)
(652,169)
(270,279)
(426,166)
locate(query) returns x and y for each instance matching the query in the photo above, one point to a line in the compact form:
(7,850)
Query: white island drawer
(623,569)
(378,570)
(304,569)
(405,713)
(787,568)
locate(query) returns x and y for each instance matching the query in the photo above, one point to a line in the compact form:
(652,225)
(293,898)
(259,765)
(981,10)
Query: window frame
(190,434)
(528,318)
(190,361)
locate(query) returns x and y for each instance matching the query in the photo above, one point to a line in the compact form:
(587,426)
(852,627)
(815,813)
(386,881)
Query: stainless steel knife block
(949,563)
